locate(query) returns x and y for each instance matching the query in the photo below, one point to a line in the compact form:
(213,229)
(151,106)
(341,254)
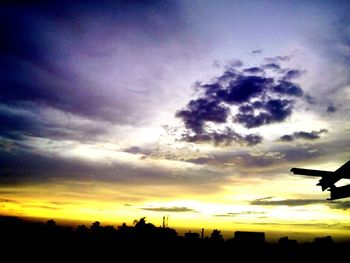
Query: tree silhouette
(216,236)
(140,223)
(95,226)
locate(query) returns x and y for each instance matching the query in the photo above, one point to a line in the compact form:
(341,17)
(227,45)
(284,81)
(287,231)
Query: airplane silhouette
(328,179)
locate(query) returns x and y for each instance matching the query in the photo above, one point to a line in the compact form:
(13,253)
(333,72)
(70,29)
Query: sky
(196,110)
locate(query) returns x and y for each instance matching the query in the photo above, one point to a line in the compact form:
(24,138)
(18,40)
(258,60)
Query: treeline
(142,240)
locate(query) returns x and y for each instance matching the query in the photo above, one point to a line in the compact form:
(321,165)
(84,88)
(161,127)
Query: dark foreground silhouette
(24,240)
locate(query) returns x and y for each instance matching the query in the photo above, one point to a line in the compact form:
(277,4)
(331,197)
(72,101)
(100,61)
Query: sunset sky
(196,110)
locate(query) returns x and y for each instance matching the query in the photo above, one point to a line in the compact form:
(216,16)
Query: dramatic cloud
(288,88)
(240,88)
(169,209)
(200,111)
(68,59)
(271,111)
(313,135)
(86,87)
(259,99)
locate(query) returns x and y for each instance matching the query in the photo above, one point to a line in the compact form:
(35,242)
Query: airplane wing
(328,178)
(311,172)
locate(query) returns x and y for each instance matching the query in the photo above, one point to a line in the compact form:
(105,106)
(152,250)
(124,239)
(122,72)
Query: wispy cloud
(267,201)
(6,200)
(257,51)
(234,214)
(174,209)
(42,207)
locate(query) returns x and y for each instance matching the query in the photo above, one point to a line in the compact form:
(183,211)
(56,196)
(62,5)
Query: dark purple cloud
(288,88)
(243,88)
(331,108)
(260,100)
(272,111)
(253,70)
(313,135)
(309,135)
(287,138)
(200,111)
